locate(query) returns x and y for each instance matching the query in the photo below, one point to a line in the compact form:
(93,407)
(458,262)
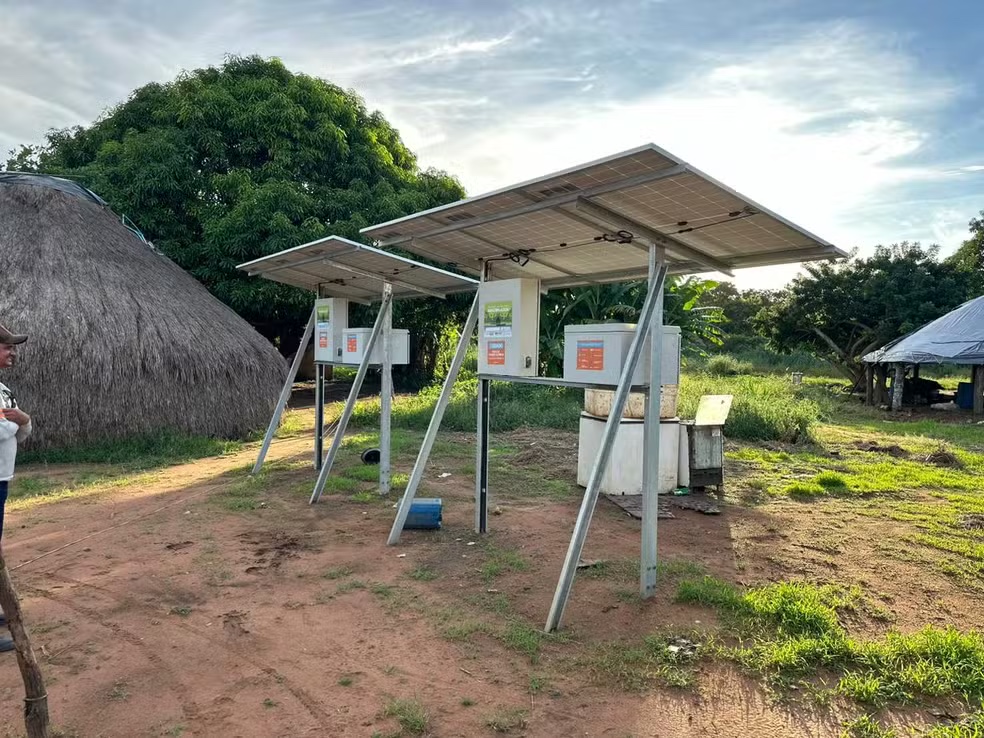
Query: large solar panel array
(593,224)
(337,267)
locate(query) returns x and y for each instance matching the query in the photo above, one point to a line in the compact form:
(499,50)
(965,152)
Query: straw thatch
(122,341)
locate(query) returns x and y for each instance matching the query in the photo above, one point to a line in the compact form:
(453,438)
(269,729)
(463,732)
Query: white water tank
(624,473)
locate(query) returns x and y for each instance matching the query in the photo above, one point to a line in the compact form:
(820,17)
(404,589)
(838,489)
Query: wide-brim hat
(9,338)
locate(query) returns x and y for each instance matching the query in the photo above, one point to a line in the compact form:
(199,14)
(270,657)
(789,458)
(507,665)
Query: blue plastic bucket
(425,514)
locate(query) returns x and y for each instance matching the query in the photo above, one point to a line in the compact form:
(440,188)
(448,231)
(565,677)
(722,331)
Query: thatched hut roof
(122,341)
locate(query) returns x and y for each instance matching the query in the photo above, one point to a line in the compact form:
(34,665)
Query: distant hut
(956,338)
(122,341)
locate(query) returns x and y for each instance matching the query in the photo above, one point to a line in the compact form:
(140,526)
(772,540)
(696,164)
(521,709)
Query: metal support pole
(285,393)
(319,414)
(435,424)
(590,499)
(650,443)
(482,458)
(386,395)
(336,442)
(897,387)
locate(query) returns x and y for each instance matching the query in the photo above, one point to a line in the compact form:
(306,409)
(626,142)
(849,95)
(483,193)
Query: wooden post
(978,391)
(35,696)
(869,384)
(897,387)
(880,391)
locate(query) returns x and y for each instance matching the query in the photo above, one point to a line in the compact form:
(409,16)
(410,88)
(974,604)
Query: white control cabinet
(509,327)
(356,340)
(330,322)
(597,353)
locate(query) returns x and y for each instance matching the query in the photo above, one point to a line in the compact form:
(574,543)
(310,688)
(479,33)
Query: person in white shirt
(15,426)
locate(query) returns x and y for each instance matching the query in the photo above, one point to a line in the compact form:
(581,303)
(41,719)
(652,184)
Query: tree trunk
(880,391)
(36,698)
(897,387)
(978,387)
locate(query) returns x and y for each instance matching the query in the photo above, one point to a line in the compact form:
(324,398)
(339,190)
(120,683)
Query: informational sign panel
(497,353)
(591,355)
(498,319)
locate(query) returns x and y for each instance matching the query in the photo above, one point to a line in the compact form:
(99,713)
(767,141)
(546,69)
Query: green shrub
(769,408)
(766,408)
(724,365)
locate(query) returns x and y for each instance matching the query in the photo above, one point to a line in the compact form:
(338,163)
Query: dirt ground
(172,614)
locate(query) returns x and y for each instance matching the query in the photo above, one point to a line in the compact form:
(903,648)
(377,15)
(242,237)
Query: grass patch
(335,483)
(971,726)
(423,574)
(465,629)
(120,692)
(768,408)
(527,640)
(866,726)
(351,586)
(506,720)
(338,572)
(804,490)
(725,365)
(345,682)
(382,590)
(831,481)
(141,452)
(28,491)
(634,667)
(410,714)
(792,630)
(244,495)
(500,560)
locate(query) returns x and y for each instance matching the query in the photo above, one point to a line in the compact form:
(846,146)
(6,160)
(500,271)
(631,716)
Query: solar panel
(594,223)
(338,267)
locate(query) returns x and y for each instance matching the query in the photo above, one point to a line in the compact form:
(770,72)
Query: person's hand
(16,416)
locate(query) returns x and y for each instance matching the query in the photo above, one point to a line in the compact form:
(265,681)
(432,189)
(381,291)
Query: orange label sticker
(496,353)
(323,340)
(352,344)
(591,355)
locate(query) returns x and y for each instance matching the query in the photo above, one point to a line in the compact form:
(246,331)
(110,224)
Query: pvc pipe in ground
(683,465)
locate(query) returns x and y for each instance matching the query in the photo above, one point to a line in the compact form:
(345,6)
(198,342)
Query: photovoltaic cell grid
(337,267)
(551,228)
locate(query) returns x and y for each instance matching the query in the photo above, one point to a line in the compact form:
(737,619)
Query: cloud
(452,49)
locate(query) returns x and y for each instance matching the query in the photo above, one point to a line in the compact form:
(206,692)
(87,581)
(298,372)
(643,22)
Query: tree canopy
(969,257)
(230,163)
(840,311)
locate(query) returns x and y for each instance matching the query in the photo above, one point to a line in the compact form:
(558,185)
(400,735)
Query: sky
(861,121)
